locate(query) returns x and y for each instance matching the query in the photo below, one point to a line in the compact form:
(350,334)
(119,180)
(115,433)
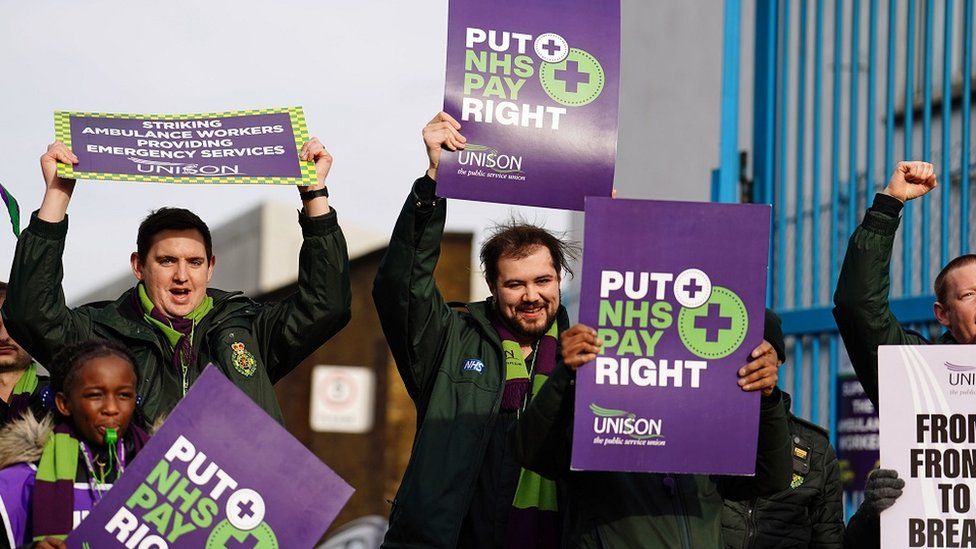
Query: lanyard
(96,489)
(184,360)
(528,394)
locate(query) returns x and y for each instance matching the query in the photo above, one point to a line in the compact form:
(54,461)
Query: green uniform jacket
(810,513)
(278,336)
(611,510)
(452,365)
(861,308)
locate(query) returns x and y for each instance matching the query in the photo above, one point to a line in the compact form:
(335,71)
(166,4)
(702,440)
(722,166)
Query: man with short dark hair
(471,372)
(861,309)
(20,381)
(171,320)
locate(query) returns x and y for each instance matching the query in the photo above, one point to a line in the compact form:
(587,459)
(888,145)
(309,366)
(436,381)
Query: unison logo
(960,374)
(481,156)
(607,421)
(158,167)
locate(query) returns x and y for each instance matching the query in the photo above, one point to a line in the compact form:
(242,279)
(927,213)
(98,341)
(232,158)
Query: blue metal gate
(842,91)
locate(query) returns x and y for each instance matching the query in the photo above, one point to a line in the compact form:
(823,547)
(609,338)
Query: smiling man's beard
(15,367)
(21,360)
(532,333)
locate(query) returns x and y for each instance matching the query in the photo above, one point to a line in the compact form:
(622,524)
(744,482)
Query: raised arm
(861,307)
(293,329)
(35,312)
(412,311)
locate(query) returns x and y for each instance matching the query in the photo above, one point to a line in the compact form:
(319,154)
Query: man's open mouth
(180,294)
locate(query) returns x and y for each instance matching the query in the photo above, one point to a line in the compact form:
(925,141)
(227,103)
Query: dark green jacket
(431,343)
(610,510)
(861,308)
(278,336)
(808,514)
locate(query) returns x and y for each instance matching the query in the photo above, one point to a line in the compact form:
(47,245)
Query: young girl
(54,471)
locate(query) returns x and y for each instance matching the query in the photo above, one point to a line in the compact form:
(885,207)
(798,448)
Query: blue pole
(763,128)
(909,226)
(801,109)
(852,144)
(815,378)
(780,207)
(816,159)
(925,206)
(728,141)
(967,69)
(869,174)
(798,381)
(832,400)
(946,128)
(889,154)
(835,143)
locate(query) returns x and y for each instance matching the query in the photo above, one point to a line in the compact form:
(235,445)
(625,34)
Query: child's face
(102,397)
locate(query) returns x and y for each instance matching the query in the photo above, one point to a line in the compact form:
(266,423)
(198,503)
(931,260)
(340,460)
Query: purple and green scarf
(22,392)
(533,521)
(54,501)
(178,331)
(13,209)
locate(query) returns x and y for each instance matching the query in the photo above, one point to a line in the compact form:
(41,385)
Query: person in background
(21,383)
(881,491)
(54,471)
(810,513)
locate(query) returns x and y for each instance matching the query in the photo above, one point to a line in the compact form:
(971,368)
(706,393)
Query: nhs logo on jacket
(473,365)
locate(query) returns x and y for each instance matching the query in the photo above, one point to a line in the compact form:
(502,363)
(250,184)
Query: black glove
(881,490)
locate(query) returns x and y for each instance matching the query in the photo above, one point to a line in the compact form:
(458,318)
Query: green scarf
(53,504)
(27,383)
(22,393)
(172,335)
(178,331)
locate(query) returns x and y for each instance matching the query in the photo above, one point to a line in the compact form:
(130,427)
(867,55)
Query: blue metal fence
(818,66)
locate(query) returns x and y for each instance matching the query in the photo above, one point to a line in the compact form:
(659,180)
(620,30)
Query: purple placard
(857,434)
(233,147)
(534,84)
(676,291)
(225,472)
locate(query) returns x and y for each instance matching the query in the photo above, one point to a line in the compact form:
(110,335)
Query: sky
(368,74)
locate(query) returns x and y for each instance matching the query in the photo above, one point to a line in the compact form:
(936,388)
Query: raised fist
(911,180)
(441,133)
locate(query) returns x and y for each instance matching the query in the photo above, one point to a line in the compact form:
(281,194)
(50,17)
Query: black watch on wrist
(308,195)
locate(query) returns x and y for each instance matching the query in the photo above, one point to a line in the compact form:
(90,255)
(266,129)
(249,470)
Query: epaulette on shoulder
(457,305)
(812,426)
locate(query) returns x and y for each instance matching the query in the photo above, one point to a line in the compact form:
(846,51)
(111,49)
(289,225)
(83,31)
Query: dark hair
(170,219)
(3,289)
(940,281)
(66,363)
(516,239)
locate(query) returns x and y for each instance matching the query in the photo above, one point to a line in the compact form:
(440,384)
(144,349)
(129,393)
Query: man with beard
(472,370)
(20,382)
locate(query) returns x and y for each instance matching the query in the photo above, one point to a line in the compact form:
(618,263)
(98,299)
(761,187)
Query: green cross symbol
(575,81)
(717,328)
(225,536)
